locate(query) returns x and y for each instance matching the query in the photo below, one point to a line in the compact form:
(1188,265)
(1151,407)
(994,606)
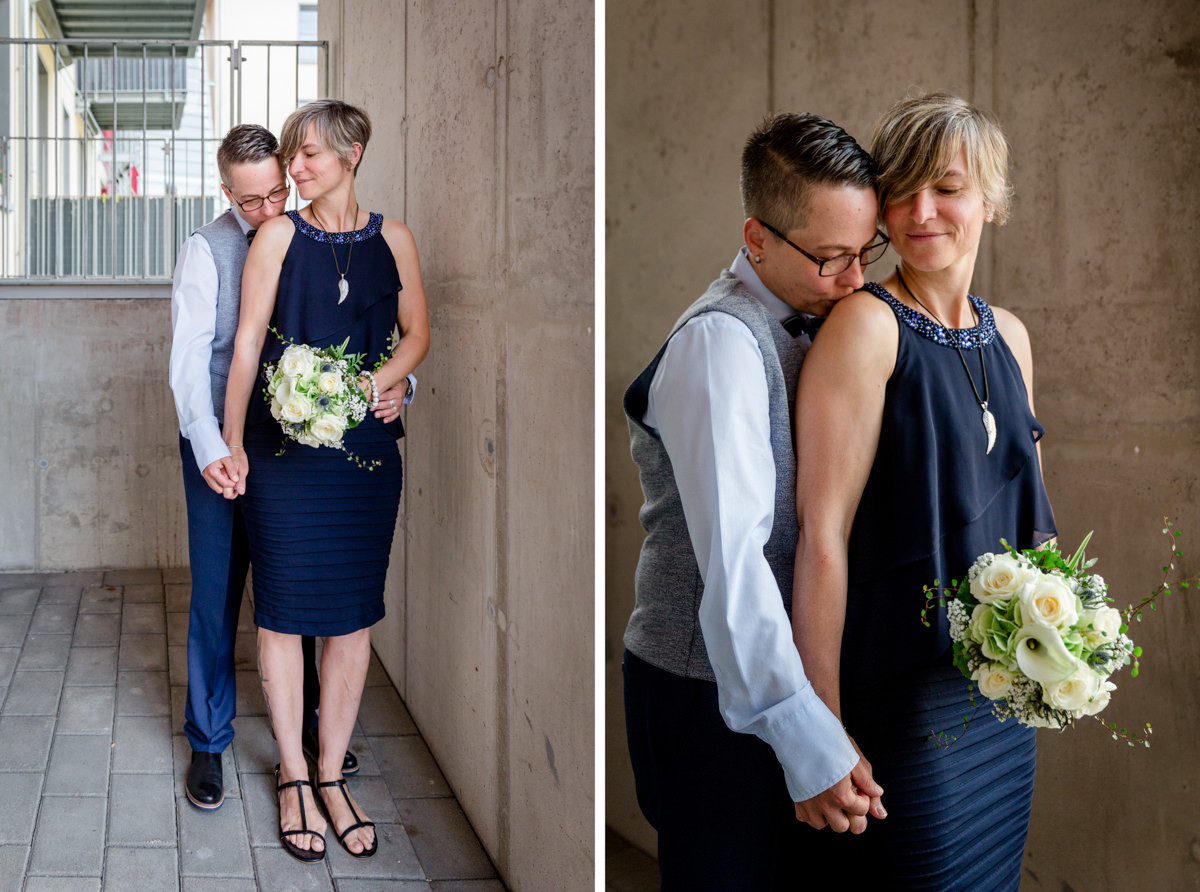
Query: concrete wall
(484,145)
(1101,102)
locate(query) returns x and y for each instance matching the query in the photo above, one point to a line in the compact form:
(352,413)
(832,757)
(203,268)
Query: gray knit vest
(664,629)
(228,243)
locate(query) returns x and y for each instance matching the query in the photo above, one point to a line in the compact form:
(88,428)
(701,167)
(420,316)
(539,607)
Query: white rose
(1049,602)
(1042,656)
(297,409)
(1105,624)
(330,382)
(297,361)
(994,680)
(1000,580)
(1100,698)
(276,409)
(1073,693)
(305,438)
(328,429)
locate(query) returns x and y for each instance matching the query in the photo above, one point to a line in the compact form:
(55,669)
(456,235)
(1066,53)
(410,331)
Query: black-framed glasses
(280,194)
(835,266)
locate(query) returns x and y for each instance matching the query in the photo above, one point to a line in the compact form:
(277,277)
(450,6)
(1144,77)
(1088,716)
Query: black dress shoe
(308,740)
(205,786)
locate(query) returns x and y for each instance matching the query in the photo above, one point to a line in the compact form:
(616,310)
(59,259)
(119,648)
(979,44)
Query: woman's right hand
(241,467)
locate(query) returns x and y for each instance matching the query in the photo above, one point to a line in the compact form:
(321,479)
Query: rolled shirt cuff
(207,445)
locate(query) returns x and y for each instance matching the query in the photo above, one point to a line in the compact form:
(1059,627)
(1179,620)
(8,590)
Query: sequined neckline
(981,335)
(373,228)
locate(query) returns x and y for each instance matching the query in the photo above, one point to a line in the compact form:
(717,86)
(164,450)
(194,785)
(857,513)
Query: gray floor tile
(376,674)
(177,661)
(178,706)
(33,693)
(20,794)
(100,599)
(408,767)
(10,579)
(18,600)
(25,742)
(218,884)
(142,744)
(45,652)
(382,713)
(462,886)
(143,693)
(13,628)
(79,765)
(97,630)
(254,744)
(143,619)
(179,597)
(86,709)
(177,629)
(61,594)
(51,618)
(8,662)
(214,843)
(280,872)
(12,866)
(262,809)
(145,652)
(142,810)
(138,870)
(132,576)
(62,884)
(395,859)
(381,885)
(249,694)
(92,666)
(148,593)
(245,651)
(69,838)
(445,843)
(76,578)
(176,574)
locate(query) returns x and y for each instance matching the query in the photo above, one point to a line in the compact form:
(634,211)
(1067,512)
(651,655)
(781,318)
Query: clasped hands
(227,475)
(846,804)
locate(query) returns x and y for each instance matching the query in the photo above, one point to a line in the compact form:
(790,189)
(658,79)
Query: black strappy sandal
(308,856)
(340,783)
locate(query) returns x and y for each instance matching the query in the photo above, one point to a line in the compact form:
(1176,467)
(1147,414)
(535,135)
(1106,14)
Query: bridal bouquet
(1036,633)
(314,394)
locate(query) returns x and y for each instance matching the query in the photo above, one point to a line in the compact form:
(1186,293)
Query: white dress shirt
(193,326)
(708,403)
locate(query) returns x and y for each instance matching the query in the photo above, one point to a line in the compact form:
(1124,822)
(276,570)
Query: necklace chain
(989,420)
(343,285)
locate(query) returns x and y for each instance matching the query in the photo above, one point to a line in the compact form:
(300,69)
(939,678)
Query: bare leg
(343,673)
(281,667)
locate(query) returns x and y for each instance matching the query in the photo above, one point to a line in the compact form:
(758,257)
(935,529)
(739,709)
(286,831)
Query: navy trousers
(220,556)
(717,798)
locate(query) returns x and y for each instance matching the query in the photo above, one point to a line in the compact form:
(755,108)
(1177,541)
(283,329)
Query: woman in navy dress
(320,526)
(917,452)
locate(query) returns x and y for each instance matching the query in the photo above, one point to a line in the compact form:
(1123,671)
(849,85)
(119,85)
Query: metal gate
(108,151)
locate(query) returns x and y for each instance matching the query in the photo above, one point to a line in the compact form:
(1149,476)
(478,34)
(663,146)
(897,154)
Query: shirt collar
(246,227)
(744,270)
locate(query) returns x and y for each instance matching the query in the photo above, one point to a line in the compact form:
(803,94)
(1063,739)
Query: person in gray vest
(731,747)
(204,315)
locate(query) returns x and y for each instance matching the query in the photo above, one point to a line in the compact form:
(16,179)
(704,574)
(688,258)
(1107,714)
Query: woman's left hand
(391,401)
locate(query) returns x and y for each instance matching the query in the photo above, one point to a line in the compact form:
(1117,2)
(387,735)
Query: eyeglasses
(280,194)
(835,266)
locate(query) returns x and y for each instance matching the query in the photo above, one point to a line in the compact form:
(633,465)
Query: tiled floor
(92,758)
(626,867)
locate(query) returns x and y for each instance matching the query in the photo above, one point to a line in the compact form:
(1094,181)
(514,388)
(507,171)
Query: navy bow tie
(250,235)
(800,324)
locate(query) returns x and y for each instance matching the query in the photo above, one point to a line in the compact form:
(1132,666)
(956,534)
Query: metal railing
(108,156)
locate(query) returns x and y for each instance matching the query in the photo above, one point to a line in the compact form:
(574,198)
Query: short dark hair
(245,144)
(787,155)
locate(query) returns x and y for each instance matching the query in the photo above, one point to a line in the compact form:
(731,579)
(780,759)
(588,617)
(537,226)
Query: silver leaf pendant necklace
(343,285)
(989,420)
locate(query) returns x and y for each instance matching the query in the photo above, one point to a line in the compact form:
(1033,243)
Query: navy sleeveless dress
(320,527)
(934,501)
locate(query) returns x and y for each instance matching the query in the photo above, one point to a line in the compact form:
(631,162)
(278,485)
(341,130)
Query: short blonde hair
(339,126)
(918,138)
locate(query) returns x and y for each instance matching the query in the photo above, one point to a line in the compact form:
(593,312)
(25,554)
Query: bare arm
(412,316)
(1017,337)
(839,410)
(260,281)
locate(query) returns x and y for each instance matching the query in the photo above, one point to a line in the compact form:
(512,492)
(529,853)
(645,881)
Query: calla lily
(1042,655)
